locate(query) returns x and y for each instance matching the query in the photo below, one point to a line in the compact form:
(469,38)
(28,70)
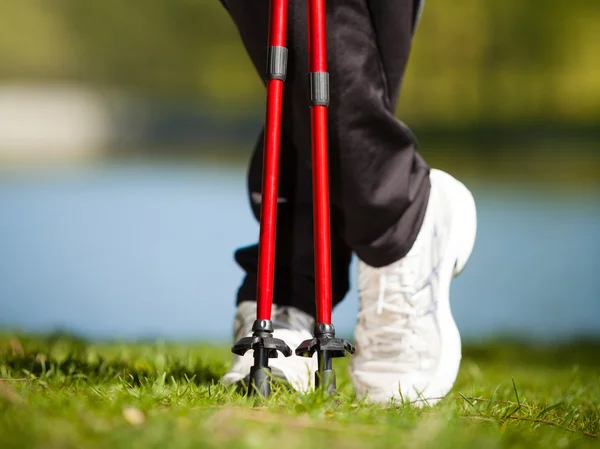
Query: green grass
(61,392)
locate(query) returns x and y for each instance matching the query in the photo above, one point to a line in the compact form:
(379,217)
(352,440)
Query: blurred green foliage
(474,61)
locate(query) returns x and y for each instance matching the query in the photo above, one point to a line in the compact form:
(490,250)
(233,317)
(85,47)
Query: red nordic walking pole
(262,342)
(324,344)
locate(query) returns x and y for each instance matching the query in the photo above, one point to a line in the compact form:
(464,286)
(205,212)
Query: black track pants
(379,184)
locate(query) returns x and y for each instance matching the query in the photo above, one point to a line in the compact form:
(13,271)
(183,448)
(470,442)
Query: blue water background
(142,251)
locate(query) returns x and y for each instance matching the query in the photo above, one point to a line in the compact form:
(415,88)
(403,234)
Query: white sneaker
(290,325)
(408,345)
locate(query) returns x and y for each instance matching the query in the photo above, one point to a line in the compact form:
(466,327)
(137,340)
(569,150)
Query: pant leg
(379,184)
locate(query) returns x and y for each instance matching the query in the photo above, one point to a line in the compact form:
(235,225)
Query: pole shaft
(272,142)
(318,63)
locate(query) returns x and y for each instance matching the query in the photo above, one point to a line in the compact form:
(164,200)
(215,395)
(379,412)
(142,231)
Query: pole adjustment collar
(319,88)
(277,58)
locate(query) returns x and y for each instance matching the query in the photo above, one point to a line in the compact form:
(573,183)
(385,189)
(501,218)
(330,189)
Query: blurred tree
(474,61)
(505,61)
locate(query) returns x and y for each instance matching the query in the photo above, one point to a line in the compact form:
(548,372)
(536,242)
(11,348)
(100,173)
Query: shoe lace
(395,331)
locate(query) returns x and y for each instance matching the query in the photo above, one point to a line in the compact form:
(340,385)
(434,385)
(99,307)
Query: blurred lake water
(135,251)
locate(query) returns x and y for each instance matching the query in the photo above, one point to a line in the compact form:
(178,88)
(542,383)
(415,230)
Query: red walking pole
(324,344)
(262,342)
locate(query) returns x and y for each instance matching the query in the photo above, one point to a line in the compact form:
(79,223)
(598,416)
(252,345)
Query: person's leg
(407,344)
(379,184)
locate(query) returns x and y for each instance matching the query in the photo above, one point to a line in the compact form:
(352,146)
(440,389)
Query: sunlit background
(125,128)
